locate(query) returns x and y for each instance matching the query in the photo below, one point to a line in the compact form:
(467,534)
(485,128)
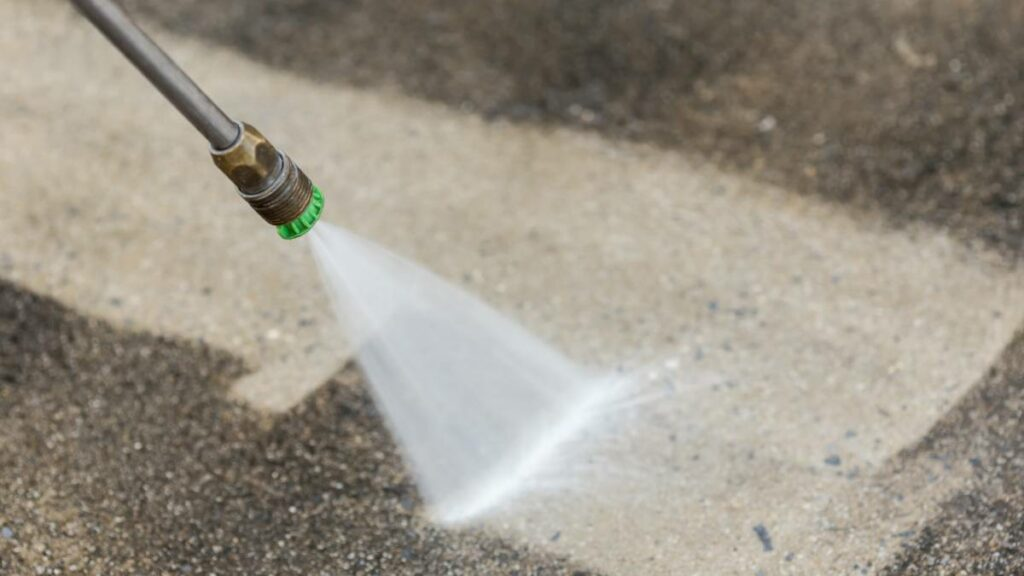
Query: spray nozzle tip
(276,188)
(306,220)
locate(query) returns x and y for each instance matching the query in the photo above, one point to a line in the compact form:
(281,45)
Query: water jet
(476,403)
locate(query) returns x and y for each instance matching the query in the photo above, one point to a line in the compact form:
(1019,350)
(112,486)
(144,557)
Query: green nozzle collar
(306,220)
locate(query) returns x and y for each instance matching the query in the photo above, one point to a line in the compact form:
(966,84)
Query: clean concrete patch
(805,346)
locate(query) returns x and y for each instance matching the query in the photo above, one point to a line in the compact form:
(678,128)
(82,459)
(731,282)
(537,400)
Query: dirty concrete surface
(881,349)
(122,454)
(980,529)
(911,109)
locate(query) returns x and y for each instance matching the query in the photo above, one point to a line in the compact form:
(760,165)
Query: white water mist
(476,403)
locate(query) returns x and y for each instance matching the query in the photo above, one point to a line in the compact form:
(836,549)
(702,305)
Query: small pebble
(767,124)
(764,537)
(833,460)
(6,533)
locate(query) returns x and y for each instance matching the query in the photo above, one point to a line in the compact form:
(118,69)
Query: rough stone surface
(980,529)
(912,107)
(818,342)
(120,453)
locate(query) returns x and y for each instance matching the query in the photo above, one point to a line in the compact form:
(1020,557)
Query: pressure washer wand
(266,178)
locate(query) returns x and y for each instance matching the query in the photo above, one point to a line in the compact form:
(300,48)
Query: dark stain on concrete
(120,454)
(980,530)
(910,109)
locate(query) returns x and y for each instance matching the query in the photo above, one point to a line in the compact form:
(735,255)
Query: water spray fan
(477,404)
(274,185)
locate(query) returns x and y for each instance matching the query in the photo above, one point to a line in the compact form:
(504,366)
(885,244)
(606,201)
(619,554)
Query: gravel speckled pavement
(823,219)
(122,454)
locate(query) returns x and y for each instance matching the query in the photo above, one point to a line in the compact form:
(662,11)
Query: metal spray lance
(266,178)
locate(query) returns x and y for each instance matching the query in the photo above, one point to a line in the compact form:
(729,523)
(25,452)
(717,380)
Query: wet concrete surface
(912,108)
(904,107)
(909,109)
(120,453)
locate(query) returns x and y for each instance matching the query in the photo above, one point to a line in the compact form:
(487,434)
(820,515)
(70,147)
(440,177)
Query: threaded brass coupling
(276,188)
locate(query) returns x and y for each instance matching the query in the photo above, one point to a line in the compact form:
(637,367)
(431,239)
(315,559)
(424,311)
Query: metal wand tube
(273,185)
(220,130)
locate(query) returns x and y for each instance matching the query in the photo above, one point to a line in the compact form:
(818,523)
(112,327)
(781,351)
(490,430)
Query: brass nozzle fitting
(267,179)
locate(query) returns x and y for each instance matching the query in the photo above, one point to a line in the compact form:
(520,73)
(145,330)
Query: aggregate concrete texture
(805,346)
